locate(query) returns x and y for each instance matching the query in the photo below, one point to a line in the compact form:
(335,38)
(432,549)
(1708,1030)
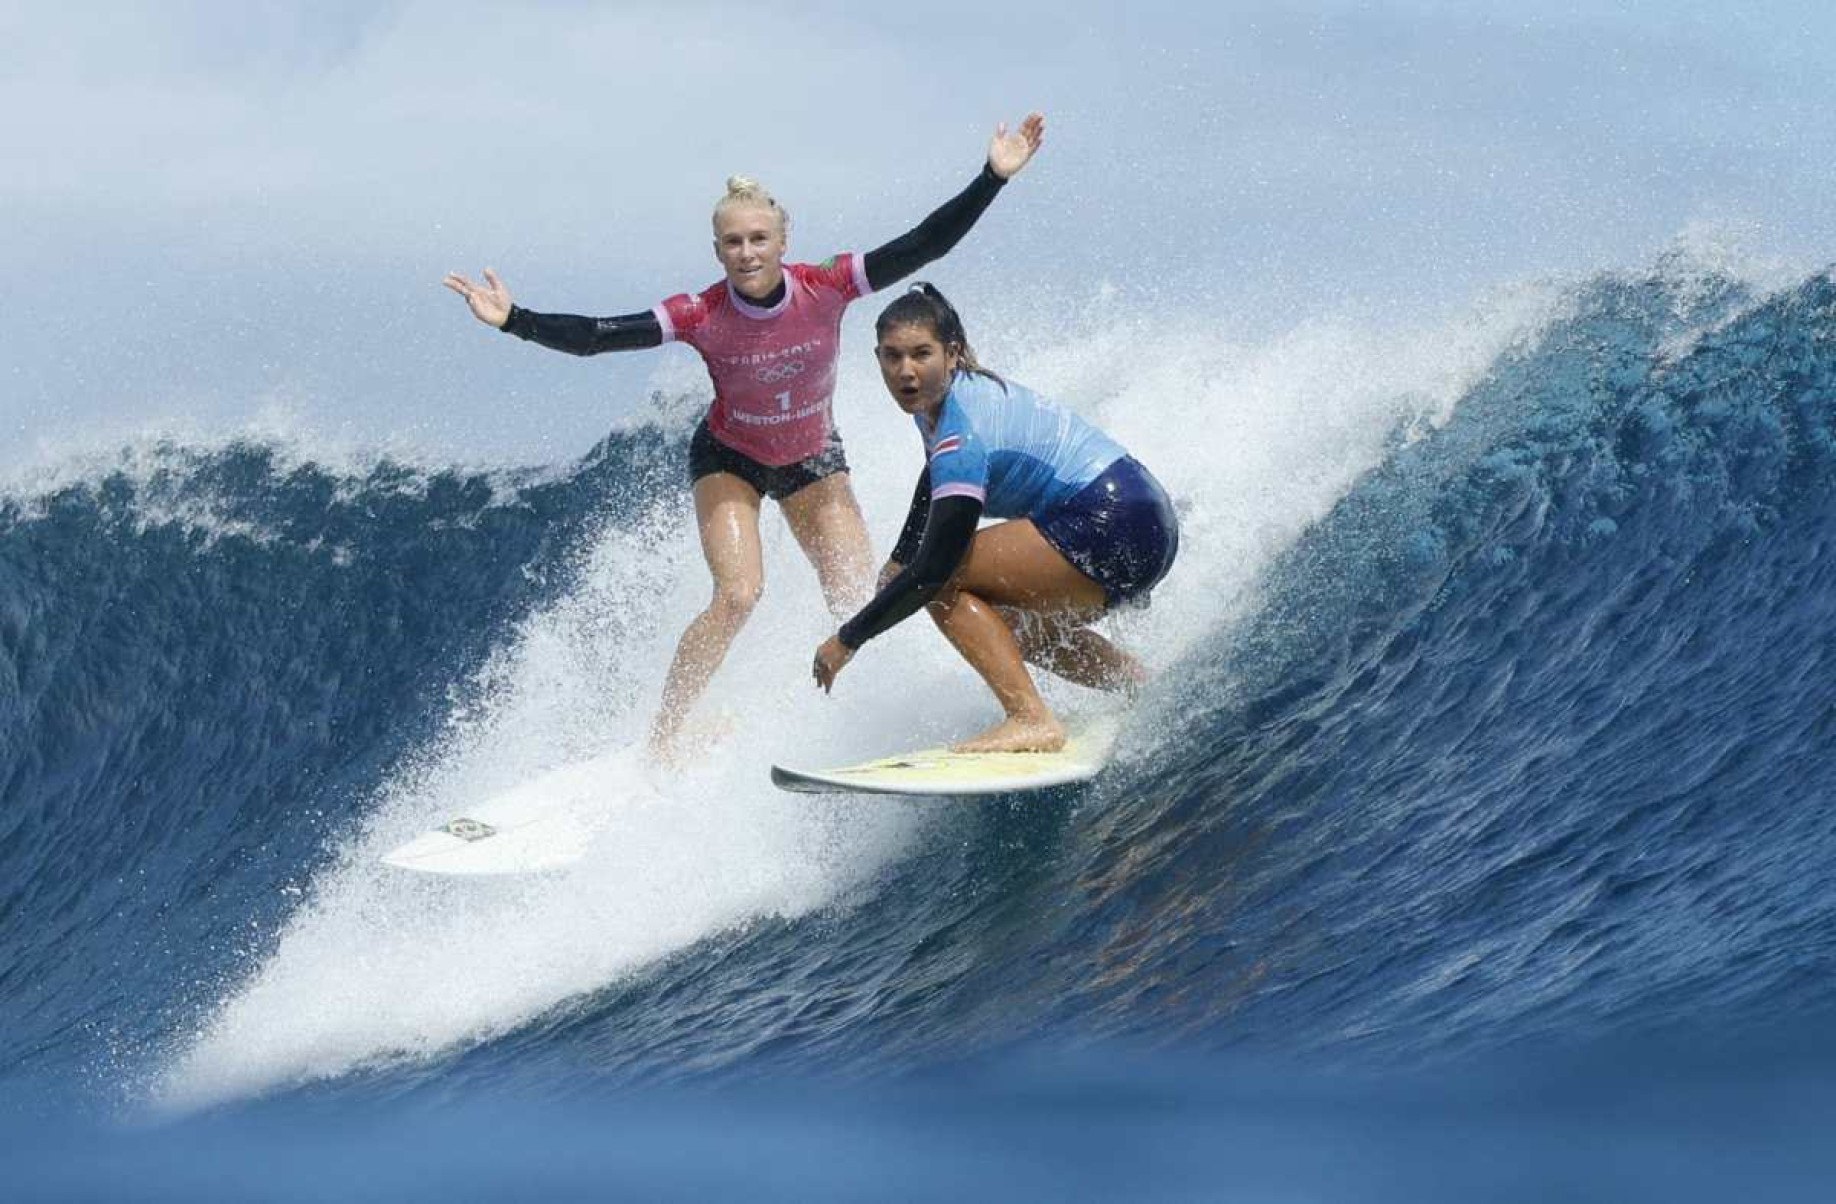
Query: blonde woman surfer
(768,334)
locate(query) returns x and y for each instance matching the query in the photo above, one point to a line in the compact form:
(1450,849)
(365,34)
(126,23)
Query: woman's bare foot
(681,743)
(1043,734)
(661,750)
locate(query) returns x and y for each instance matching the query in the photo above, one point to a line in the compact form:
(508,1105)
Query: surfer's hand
(490,301)
(893,569)
(830,658)
(1008,153)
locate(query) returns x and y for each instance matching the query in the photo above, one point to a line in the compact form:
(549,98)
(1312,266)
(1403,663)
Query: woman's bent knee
(735,601)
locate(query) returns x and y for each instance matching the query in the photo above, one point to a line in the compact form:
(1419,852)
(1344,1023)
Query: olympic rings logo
(771,374)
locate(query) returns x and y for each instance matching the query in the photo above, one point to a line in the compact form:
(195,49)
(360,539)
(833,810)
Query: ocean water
(1474,841)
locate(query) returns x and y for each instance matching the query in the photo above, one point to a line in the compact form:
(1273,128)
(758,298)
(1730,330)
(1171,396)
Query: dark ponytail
(923,305)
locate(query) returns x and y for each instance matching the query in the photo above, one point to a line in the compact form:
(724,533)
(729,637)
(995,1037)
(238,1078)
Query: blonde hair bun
(744,190)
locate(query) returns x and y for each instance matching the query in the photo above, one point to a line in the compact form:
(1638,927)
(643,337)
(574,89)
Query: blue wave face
(1529,739)
(205,667)
(1524,741)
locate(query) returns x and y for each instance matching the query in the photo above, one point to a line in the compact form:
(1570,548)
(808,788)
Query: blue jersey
(1015,452)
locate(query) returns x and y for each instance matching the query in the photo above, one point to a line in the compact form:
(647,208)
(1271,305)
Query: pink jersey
(773,369)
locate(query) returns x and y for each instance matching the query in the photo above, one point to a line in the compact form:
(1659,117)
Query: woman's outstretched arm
(491,304)
(934,237)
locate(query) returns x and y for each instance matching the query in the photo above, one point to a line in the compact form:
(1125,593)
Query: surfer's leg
(1062,644)
(826,521)
(977,631)
(1011,565)
(727,512)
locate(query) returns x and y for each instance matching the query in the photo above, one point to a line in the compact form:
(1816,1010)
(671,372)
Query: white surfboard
(938,771)
(545,824)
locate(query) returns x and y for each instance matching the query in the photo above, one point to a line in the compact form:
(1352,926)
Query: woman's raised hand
(490,301)
(1008,153)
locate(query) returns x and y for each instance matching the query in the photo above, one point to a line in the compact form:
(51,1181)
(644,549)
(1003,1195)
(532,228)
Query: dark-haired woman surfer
(1088,528)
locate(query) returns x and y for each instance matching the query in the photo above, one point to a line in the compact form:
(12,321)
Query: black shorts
(1120,531)
(708,455)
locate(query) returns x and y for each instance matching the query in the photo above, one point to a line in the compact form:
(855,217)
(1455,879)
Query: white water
(1254,440)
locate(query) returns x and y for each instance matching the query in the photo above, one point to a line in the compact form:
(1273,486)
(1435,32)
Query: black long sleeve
(586,336)
(949,528)
(932,238)
(906,546)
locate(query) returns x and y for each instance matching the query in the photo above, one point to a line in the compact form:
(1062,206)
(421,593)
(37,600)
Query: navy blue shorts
(1119,530)
(708,455)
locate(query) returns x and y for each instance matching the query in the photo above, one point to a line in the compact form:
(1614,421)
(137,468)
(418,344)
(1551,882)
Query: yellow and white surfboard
(938,771)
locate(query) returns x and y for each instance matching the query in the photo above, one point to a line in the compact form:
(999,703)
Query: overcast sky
(225,211)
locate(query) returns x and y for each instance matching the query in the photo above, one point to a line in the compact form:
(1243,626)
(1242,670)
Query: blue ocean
(1476,839)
